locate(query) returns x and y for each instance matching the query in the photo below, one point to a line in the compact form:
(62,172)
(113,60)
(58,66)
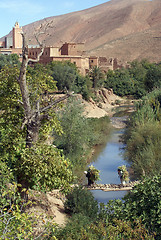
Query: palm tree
(96,76)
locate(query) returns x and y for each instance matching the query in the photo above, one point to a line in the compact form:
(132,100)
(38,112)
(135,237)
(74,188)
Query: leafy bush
(18,223)
(77,146)
(15,221)
(81,200)
(76,137)
(124,229)
(143,203)
(77,228)
(81,227)
(100,129)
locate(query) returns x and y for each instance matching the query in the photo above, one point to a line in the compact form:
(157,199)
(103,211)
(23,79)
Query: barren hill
(126,29)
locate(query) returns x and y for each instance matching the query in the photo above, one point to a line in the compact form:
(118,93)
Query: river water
(107,159)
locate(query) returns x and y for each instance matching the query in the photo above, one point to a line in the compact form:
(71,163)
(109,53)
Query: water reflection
(104,197)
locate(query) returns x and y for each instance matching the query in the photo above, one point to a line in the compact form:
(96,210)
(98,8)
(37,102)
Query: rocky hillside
(126,29)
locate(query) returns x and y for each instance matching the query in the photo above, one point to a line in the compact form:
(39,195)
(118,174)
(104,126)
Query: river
(107,159)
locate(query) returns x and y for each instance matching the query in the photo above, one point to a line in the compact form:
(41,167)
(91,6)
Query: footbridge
(112,187)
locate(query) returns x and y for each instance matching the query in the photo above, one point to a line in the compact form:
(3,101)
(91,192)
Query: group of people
(122,173)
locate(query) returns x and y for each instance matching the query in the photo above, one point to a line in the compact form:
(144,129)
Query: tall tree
(27,117)
(96,76)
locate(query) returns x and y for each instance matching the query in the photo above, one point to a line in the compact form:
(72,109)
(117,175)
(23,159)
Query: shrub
(75,140)
(142,136)
(75,229)
(16,222)
(80,227)
(144,202)
(81,200)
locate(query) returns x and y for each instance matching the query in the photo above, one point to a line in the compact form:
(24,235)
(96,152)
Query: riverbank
(108,105)
(52,203)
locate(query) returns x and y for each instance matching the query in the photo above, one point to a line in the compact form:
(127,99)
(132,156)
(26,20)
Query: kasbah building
(73,52)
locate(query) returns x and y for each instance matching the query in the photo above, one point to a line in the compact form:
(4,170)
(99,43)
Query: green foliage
(64,74)
(93,174)
(68,78)
(143,135)
(83,86)
(121,82)
(76,137)
(140,78)
(153,78)
(144,202)
(81,201)
(79,133)
(81,227)
(77,228)
(139,210)
(125,174)
(114,209)
(97,77)
(18,223)
(54,171)
(123,229)
(100,129)
(9,60)
(45,168)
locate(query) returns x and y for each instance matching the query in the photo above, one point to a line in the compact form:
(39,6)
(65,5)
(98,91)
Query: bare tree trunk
(22,80)
(32,118)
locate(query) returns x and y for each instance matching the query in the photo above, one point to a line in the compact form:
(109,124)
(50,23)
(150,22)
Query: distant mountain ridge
(123,29)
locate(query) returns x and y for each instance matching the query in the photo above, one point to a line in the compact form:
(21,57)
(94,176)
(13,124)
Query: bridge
(112,187)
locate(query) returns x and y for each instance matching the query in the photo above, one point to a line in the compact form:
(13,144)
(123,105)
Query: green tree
(11,60)
(153,78)
(68,77)
(64,73)
(76,137)
(120,81)
(96,76)
(83,86)
(27,119)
